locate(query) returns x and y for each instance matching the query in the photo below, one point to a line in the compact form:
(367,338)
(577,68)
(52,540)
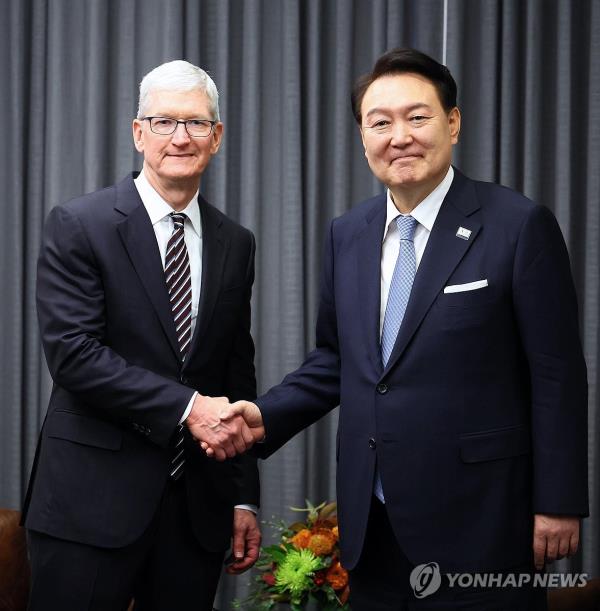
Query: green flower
(295,572)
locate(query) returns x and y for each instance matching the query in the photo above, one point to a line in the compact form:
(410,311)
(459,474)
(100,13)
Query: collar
(158,208)
(426,211)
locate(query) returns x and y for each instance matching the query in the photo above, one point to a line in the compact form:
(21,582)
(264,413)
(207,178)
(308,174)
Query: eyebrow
(406,109)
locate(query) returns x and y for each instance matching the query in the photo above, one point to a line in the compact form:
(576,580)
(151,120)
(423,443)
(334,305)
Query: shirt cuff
(252,508)
(188,409)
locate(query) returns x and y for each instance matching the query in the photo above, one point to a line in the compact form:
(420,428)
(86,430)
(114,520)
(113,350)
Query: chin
(407,177)
(182,171)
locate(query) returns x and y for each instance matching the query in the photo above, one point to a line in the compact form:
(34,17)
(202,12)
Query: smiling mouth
(405,158)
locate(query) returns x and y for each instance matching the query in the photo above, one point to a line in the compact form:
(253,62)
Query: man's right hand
(226,436)
(251,416)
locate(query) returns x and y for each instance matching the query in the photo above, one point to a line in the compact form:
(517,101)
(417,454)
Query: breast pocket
(466,309)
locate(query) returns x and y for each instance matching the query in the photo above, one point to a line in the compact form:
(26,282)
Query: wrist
(253,509)
(194,414)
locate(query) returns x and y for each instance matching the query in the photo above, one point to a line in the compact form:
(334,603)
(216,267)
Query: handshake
(224,429)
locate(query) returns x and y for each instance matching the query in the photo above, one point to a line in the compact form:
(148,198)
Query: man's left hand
(246,541)
(554,537)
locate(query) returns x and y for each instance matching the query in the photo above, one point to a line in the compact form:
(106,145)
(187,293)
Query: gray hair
(178,75)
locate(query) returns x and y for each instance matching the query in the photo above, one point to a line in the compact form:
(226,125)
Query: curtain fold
(529,89)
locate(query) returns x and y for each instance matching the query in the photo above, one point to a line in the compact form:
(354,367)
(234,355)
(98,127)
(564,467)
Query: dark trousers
(165,569)
(381,580)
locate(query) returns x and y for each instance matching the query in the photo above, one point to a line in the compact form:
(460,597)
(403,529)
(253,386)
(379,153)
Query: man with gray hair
(144,308)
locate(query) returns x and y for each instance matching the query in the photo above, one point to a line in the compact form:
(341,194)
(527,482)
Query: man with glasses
(144,308)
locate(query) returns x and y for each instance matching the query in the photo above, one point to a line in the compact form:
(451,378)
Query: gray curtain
(529,90)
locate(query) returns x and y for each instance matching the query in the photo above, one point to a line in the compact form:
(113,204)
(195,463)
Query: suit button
(183,380)
(372,443)
(382,389)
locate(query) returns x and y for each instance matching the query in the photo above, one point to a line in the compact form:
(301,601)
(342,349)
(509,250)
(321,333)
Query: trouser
(381,580)
(165,569)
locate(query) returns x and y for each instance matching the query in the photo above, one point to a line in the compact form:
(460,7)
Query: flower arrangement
(303,567)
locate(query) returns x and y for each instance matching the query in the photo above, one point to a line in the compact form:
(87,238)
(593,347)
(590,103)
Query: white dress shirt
(159,212)
(425,214)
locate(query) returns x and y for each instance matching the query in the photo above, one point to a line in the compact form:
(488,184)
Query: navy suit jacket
(120,387)
(479,419)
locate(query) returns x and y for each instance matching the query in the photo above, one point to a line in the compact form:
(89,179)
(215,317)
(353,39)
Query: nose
(180,135)
(401,133)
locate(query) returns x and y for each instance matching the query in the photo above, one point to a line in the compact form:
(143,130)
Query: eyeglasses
(165,126)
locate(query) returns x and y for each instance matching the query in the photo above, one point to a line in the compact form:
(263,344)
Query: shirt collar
(158,208)
(427,210)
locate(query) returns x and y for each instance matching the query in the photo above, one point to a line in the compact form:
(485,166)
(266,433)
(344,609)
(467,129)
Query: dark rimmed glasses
(165,126)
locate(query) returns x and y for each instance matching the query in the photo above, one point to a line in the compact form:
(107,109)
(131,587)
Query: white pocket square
(469,286)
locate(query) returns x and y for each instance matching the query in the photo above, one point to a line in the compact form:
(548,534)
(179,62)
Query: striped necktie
(179,284)
(400,288)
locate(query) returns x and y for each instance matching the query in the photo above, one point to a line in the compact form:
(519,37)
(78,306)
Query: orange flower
(320,545)
(337,576)
(301,538)
(321,542)
(336,532)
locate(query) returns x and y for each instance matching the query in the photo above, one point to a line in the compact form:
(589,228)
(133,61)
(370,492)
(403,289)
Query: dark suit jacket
(479,419)
(120,387)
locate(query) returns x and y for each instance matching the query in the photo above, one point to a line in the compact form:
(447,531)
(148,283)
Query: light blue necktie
(400,287)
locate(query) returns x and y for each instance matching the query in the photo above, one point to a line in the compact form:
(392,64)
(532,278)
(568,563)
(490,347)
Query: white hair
(178,75)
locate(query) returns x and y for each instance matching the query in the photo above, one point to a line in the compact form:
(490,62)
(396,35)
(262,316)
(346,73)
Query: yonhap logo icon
(425,579)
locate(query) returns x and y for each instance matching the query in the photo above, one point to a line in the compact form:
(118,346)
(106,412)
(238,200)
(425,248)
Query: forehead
(395,91)
(178,104)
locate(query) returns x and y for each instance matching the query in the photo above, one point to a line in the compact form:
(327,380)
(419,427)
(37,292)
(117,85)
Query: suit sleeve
(547,315)
(313,389)
(241,384)
(71,313)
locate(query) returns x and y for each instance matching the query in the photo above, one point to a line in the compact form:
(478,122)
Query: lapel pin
(463,233)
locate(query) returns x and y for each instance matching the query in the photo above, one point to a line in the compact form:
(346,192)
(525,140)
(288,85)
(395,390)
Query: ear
(138,135)
(454,124)
(216,137)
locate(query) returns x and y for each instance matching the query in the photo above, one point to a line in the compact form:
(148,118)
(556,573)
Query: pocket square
(469,286)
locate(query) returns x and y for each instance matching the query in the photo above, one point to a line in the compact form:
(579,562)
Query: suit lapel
(138,237)
(214,248)
(443,253)
(368,253)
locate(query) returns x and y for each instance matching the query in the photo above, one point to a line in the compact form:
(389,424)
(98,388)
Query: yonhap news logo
(426,579)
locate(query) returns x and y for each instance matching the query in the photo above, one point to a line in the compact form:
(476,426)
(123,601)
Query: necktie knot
(178,219)
(406,227)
